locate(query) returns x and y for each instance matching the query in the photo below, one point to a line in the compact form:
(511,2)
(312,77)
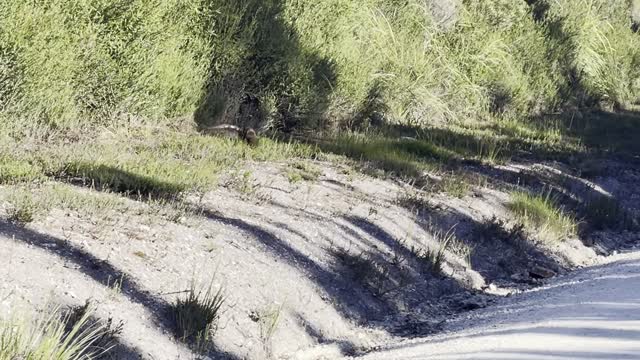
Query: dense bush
(311,63)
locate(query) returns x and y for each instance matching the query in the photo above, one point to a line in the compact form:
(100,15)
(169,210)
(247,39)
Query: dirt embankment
(340,263)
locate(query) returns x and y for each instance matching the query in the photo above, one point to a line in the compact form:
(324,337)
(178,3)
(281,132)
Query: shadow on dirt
(346,348)
(385,288)
(126,183)
(612,307)
(100,271)
(122,351)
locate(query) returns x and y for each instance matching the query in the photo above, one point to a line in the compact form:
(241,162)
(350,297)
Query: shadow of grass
(102,272)
(615,133)
(127,183)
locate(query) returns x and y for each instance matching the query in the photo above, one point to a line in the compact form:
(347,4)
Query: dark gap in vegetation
(603,212)
(276,82)
(539,9)
(614,133)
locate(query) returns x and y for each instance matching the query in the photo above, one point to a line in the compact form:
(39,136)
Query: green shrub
(23,207)
(600,52)
(16,171)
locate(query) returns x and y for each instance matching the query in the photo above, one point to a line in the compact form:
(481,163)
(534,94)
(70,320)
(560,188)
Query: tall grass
(310,63)
(50,338)
(64,61)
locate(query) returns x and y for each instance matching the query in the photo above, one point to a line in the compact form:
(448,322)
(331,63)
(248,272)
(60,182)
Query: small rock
(540,272)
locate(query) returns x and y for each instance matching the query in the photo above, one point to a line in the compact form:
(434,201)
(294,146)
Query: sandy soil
(336,256)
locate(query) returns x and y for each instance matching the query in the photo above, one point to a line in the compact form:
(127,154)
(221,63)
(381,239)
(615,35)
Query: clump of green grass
(61,74)
(542,215)
(302,171)
(50,338)
(144,161)
(29,202)
(13,171)
(454,185)
(294,177)
(268,319)
(244,183)
(404,158)
(110,330)
(362,63)
(23,207)
(196,314)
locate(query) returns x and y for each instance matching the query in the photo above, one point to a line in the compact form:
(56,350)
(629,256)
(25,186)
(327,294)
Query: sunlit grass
(542,215)
(51,337)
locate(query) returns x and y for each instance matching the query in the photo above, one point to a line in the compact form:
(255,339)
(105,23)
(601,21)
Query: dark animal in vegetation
(233,132)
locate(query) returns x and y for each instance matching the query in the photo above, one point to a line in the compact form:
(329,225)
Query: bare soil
(337,256)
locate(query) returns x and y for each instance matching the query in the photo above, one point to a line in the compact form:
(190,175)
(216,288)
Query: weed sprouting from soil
(196,314)
(434,259)
(268,319)
(23,207)
(304,171)
(110,330)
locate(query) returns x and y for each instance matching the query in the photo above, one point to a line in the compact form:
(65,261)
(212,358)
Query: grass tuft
(50,338)
(14,171)
(197,313)
(542,215)
(434,259)
(23,208)
(29,202)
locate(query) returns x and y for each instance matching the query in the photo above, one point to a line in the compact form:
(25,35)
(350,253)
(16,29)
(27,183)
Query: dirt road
(591,314)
